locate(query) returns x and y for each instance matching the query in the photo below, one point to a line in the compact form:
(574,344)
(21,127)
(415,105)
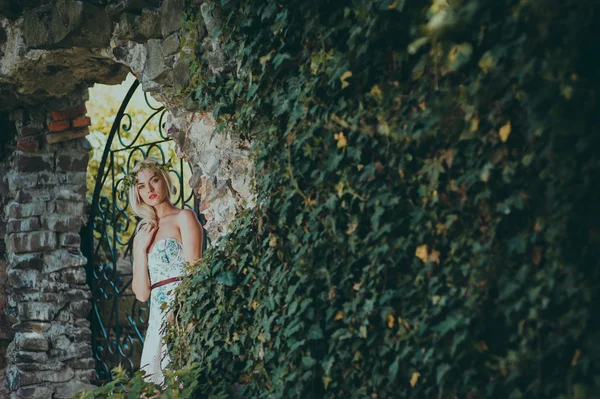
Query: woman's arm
(191,235)
(141,280)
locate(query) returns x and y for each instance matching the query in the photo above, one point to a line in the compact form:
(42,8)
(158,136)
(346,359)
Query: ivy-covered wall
(427,203)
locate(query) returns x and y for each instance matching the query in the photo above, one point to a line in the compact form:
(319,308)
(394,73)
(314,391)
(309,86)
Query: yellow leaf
(474,124)
(340,189)
(486,62)
(326,381)
(254,305)
(261,337)
(434,256)
(440,228)
(436,299)
(505,132)
(375,91)
(341,140)
(484,346)
(272,240)
(575,358)
(339,315)
(236,336)
(414,378)
(343,78)
(363,331)
(422,253)
(391,321)
(356,286)
(393,5)
(351,228)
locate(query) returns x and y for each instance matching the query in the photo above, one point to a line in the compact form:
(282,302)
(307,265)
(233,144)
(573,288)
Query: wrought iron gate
(118,320)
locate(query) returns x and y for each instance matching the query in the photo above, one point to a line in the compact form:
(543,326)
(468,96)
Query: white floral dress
(165,261)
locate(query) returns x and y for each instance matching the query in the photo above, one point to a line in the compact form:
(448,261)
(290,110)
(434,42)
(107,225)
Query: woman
(166,239)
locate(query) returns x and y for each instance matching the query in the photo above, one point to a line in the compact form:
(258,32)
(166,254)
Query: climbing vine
(426,219)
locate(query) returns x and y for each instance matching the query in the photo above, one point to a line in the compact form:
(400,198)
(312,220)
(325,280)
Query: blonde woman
(166,239)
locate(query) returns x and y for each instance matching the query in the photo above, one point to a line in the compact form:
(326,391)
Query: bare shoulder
(187,216)
(187,220)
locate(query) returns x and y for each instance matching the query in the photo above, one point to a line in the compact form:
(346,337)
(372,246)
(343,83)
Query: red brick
(67,135)
(28,145)
(81,121)
(69,113)
(59,126)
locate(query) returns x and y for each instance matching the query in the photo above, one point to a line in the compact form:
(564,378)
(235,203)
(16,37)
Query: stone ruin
(51,52)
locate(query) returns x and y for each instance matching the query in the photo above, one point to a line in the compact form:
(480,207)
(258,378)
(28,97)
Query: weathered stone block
(75,178)
(25,261)
(58,126)
(49,365)
(15,210)
(30,357)
(37,311)
(72,162)
(71,276)
(63,349)
(70,23)
(155,68)
(81,121)
(18,181)
(31,241)
(80,308)
(69,389)
(149,24)
(35,194)
(171,44)
(31,341)
(70,192)
(22,225)
(23,378)
(171,16)
(62,223)
(73,208)
(63,259)
(69,113)
(32,326)
(67,135)
(33,392)
(28,162)
(28,145)
(28,278)
(69,240)
(85,363)
(30,129)
(77,294)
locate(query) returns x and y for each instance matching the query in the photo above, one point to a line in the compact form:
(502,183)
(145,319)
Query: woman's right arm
(141,280)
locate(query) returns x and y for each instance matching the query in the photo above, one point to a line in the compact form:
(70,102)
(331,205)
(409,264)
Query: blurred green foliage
(427,202)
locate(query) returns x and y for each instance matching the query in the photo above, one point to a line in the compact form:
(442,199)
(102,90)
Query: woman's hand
(145,235)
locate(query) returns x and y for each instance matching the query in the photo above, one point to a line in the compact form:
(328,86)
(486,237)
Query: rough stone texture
(50,53)
(46,350)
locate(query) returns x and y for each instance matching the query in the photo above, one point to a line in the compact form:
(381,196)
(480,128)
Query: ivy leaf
(343,78)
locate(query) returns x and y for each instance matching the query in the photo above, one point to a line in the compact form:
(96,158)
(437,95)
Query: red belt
(164,282)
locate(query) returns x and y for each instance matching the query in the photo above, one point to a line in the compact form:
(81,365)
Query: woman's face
(151,187)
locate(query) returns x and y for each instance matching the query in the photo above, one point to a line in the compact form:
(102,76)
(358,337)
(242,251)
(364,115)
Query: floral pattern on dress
(165,260)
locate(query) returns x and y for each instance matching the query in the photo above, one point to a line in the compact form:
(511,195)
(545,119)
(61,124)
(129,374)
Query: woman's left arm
(191,235)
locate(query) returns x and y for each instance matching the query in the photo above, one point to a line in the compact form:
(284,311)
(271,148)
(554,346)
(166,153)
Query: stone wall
(50,355)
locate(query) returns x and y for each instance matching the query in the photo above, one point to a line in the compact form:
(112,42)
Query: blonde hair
(141,209)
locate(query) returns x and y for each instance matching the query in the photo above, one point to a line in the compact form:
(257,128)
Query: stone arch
(51,52)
